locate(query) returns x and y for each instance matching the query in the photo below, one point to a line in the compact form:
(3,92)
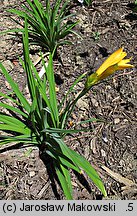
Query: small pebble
(32,173)
(116,120)
(103,153)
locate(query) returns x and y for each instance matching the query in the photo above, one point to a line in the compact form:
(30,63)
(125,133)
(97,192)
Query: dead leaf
(118,177)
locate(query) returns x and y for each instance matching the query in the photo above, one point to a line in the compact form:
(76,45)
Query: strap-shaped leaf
(68,178)
(71,89)
(27,64)
(86,166)
(6,127)
(25,139)
(61,173)
(11,120)
(62,131)
(55,152)
(89,120)
(15,88)
(52,91)
(81,162)
(10,98)
(66,150)
(16,110)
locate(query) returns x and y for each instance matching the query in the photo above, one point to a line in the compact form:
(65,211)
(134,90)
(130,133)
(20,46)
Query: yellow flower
(113,63)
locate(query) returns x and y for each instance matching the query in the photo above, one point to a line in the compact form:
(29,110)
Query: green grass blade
(38,18)
(34,21)
(27,10)
(81,162)
(65,17)
(42,90)
(55,12)
(18,137)
(64,42)
(41,86)
(40,9)
(65,161)
(35,8)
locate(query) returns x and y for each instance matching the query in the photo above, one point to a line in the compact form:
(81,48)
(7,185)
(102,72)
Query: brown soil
(105,26)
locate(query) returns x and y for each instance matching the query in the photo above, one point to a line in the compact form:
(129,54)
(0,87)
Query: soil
(104,26)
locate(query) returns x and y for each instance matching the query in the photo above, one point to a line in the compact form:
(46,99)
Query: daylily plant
(113,63)
(43,121)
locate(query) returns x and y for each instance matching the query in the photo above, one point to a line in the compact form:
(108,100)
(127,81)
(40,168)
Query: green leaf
(17,12)
(6,127)
(49,101)
(11,120)
(62,131)
(46,27)
(90,120)
(16,110)
(41,85)
(28,65)
(25,139)
(86,166)
(68,178)
(81,162)
(64,182)
(10,98)
(55,153)
(68,30)
(52,91)
(15,88)
(17,30)
(66,151)
(62,14)
(71,89)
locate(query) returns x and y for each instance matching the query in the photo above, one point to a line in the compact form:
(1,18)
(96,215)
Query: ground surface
(105,26)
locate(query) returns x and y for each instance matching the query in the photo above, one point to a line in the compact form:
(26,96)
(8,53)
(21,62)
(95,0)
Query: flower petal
(114,58)
(113,63)
(110,70)
(123,64)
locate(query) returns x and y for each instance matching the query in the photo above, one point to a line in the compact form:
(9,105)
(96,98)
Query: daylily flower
(113,63)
